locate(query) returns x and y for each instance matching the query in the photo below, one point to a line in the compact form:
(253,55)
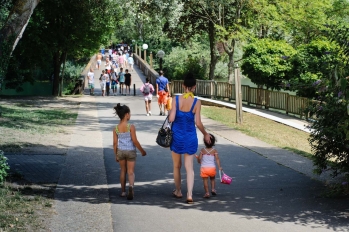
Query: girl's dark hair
(189,80)
(212,141)
(121,110)
(147,80)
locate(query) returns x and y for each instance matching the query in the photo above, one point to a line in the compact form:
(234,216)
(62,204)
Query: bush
(194,58)
(71,75)
(329,139)
(3,167)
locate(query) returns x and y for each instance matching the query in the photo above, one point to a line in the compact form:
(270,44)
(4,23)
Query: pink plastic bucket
(225,179)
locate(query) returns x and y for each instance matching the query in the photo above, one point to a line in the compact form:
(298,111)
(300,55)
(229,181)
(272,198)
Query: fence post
(267,99)
(287,102)
(134,89)
(215,89)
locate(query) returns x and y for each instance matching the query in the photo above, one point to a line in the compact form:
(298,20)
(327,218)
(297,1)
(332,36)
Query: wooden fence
(251,96)
(223,90)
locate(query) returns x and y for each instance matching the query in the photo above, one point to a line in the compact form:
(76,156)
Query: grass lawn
(264,129)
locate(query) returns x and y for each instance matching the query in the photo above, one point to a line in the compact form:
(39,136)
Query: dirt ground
(52,142)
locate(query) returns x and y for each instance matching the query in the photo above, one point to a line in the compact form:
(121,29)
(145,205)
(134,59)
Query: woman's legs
(177,164)
(123,168)
(188,163)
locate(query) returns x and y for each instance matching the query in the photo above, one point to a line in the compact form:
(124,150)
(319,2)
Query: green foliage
(4,11)
(313,61)
(192,58)
(330,136)
(71,74)
(266,62)
(3,167)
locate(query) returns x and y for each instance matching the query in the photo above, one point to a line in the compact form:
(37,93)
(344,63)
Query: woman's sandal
(175,195)
(190,201)
(207,195)
(123,194)
(214,193)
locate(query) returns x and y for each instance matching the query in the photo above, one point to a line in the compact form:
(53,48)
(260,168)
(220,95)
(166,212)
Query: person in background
(121,81)
(91,85)
(128,81)
(102,82)
(162,92)
(107,82)
(130,62)
(99,60)
(114,81)
(147,89)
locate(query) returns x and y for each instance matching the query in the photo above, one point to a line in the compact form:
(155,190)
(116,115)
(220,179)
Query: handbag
(225,179)
(164,138)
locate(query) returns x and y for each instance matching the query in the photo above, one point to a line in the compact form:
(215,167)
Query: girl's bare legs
(213,183)
(177,164)
(205,179)
(188,163)
(130,172)
(123,168)
(149,107)
(146,107)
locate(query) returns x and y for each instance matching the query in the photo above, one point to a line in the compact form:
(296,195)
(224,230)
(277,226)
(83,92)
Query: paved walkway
(273,189)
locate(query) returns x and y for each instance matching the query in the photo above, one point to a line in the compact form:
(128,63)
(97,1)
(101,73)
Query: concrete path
(272,189)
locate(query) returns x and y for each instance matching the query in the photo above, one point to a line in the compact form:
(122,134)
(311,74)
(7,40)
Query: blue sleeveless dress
(184,140)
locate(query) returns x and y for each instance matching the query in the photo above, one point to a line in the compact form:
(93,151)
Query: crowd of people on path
(116,71)
(185,116)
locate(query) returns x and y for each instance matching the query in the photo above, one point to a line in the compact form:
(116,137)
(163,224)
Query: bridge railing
(146,69)
(223,90)
(251,96)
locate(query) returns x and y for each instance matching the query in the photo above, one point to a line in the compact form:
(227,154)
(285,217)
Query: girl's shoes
(190,201)
(123,194)
(130,193)
(214,193)
(207,195)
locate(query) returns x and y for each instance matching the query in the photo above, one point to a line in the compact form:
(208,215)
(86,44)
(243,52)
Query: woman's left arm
(198,122)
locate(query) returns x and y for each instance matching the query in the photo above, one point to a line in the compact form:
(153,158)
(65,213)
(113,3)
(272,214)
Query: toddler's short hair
(212,141)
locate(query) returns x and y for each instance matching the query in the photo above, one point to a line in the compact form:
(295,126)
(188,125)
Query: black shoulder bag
(164,138)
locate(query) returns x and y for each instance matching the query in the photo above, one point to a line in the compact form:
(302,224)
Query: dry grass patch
(266,130)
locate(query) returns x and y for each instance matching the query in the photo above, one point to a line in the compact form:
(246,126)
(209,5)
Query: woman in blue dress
(185,114)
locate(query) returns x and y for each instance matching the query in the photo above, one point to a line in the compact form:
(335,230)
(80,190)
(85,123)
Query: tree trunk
(16,23)
(13,29)
(213,52)
(56,71)
(231,67)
